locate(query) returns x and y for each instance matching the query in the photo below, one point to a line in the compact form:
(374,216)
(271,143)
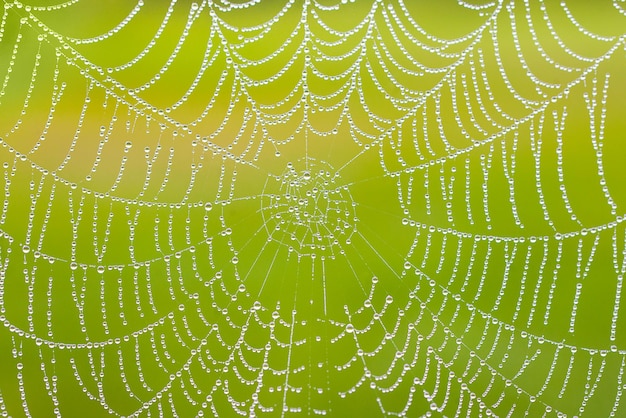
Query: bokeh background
(359,208)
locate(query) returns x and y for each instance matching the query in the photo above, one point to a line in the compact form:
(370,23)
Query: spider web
(313,207)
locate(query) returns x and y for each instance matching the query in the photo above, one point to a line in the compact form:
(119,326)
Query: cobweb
(316,207)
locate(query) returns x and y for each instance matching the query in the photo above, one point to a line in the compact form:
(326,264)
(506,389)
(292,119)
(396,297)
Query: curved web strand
(311,208)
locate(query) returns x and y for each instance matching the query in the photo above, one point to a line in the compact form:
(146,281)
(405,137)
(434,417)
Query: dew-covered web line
(312,207)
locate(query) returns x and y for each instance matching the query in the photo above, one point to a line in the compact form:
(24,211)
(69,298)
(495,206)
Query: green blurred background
(154,260)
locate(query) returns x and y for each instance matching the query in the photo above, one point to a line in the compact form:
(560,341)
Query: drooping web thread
(324,208)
